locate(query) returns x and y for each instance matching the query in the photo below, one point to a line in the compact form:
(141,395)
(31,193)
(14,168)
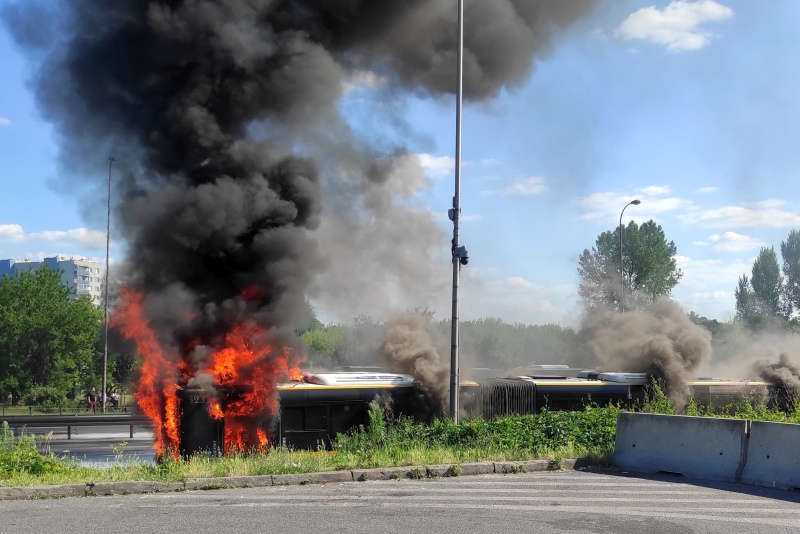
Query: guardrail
(70,421)
(9,411)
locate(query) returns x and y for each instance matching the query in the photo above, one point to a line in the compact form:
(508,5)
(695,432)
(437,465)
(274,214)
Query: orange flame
(242,364)
(157,391)
(296,375)
(245,368)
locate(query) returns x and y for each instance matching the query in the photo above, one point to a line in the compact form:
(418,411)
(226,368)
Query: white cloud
(493,293)
(677,26)
(710,275)
(655,190)
(5,121)
(703,190)
(14,233)
(758,214)
(733,242)
(82,236)
(524,187)
(437,166)
(707,285)
(518,281)
(608,205)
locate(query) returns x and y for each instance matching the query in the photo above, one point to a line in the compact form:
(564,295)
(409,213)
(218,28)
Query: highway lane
(97,444)
(564,502)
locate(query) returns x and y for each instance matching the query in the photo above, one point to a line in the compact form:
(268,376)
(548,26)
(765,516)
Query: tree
(790,252)
(649,270)
(712,325)
(767,282)
(47,337)
(746,309)
(764,300)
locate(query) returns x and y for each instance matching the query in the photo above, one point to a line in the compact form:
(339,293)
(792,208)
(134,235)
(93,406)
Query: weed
(416,474)
(514,469)
(453,471)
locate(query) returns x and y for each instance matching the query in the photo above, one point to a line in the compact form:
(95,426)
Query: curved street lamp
(621,265)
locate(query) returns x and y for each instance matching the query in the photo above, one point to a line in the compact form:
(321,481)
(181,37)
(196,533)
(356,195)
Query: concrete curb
(413,472)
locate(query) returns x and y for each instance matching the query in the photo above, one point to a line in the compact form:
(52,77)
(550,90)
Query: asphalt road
(97,444)
(566,502)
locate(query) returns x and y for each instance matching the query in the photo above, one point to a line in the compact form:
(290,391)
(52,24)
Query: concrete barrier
(773,456)
(696,447)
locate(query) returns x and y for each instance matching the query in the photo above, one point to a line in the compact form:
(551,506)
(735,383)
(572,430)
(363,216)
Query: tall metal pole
(456,221)
(111,161)
(621,264)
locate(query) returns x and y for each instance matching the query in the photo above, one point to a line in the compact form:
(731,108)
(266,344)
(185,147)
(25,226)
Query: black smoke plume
(220,114)
(408,348)
(783,377)
(660,341)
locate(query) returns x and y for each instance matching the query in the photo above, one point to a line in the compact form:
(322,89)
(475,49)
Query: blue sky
(689,106)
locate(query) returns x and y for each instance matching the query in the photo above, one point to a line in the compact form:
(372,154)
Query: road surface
(565,502)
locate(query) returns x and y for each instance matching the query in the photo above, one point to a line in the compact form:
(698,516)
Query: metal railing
(10,411)
(73,421)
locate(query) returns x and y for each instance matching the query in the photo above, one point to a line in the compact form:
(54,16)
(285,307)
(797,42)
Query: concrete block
(477,468)
(136,487)
(47,492)
(706,448)
(773,456)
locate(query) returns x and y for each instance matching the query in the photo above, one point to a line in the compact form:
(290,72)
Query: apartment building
(82,276)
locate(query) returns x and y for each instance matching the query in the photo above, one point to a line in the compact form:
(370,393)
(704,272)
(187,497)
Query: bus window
(316,418)
(292,419)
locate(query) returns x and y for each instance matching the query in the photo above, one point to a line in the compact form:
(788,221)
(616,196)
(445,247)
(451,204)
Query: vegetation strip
(383,450)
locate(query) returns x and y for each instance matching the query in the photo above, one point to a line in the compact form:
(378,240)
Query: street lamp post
(621,264)
(459,252)
(111,161)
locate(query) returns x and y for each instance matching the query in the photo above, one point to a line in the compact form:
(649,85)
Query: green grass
(547,435)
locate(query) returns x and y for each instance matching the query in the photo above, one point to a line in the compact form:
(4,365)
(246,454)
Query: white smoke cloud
(678,26)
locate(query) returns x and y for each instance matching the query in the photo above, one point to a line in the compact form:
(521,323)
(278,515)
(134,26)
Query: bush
(20,456)
(46,398)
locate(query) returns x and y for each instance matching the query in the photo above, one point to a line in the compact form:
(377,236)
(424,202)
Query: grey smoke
(660,341)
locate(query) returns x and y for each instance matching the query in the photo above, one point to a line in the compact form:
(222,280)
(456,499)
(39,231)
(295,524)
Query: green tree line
(770,296)
(50,341)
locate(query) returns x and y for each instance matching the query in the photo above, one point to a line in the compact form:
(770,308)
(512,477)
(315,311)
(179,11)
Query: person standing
(91,401)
